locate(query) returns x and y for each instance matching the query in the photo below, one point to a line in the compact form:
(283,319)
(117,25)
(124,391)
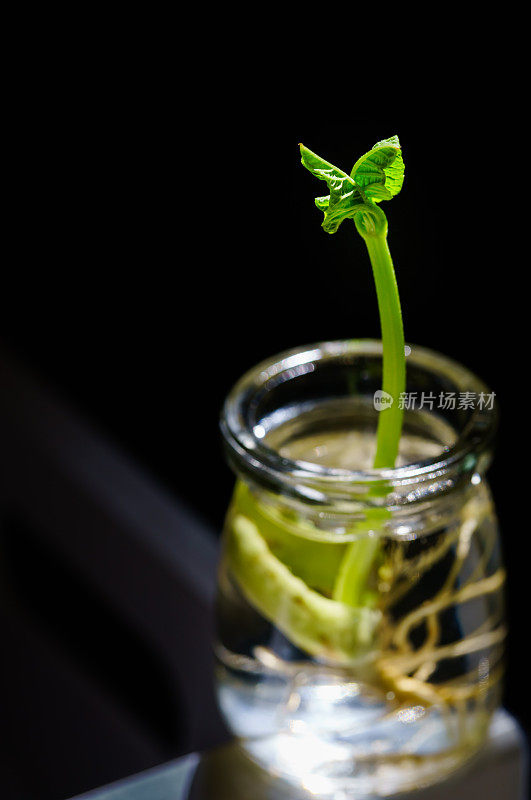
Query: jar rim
(249,453)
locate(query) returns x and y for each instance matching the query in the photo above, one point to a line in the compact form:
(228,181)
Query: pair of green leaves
(378,175)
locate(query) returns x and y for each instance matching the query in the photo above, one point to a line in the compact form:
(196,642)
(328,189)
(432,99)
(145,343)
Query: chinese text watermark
(448,401)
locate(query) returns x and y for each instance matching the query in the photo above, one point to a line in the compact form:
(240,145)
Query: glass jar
(360,612)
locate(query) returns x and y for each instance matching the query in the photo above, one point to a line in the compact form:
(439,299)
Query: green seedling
(314,588)
(376,176)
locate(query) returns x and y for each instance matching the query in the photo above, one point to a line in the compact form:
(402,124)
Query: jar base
(342,776)
(332,740)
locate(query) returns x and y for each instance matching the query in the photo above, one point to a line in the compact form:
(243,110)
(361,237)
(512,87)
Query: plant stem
(358,561)
(394,365)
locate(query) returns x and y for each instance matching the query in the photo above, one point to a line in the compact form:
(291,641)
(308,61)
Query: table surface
(499,772)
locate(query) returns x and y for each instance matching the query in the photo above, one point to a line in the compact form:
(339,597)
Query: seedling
(317,588)
(376,176)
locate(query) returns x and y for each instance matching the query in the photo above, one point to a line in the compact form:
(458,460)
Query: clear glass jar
(360,611)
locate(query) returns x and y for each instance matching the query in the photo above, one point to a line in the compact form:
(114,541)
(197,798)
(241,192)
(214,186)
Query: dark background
(161,245)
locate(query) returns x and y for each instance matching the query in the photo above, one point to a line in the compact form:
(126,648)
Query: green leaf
(376,176)
(344,192)
(380,172)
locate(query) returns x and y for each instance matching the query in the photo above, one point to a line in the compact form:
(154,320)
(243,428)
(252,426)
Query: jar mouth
(269,392)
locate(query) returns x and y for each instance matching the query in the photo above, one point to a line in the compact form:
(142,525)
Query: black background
(161,243)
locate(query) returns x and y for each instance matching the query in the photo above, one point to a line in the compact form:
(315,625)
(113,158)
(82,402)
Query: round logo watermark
(382,400)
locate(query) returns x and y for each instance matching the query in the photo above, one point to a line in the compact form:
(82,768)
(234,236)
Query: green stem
(394,364)
(359,558)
